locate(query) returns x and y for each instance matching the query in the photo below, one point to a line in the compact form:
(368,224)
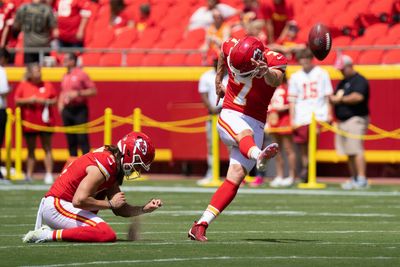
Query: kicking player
(69,209)
(254,73)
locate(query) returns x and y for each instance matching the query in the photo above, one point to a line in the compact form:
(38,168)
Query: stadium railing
(126,51)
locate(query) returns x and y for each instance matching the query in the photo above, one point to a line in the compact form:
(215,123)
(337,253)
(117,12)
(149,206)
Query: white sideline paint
(221,258)
(171,189)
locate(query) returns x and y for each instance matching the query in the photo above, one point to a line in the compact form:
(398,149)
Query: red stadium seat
(391,57)
(376,30)
(194,60)
(382,7)
(363,40)
(358,7)
(153,60)
(134,59)
(148,38)
(387,40)
(341,41)
(174,60)
(343,20)
(169,38)
(90,59)
(370,57)
(124,39)
(102,38)
(110,59)
(395,31)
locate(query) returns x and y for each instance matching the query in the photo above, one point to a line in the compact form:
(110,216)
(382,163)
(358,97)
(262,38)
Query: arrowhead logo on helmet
(239,58)
(137,152)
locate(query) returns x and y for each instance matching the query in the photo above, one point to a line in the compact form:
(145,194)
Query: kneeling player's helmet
(137,152)
(239,58)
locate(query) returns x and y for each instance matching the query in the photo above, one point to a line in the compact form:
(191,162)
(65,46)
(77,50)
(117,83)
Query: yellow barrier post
(18,175)
(107,126)
(137,120)
(215,153)
(312,162)
(8,139)
(137,127)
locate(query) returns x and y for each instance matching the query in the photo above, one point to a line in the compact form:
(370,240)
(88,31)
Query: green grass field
(261,228)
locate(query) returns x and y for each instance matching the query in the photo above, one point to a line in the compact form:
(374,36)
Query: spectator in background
(250,13)
(119,17)
(38,24)
(309,91)
(351,109)
(216,34)
(72,17)
(209,97)
(203,18)
(36,99)
(288,44)
(277,14)
(395,14)
(76,88)
(4,91)
(144,21)
(278,121)
(7,39)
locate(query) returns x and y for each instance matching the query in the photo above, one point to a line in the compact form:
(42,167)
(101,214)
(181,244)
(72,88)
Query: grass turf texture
(264,229)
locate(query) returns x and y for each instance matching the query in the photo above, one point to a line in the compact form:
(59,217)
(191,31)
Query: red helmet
(137,151)
(239,58)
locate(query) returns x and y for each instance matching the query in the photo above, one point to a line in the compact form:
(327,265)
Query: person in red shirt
(36,99)
(254,73)
(72,18)
(7,39)
(277,14)
(76,88)
(119,17)
(69,209)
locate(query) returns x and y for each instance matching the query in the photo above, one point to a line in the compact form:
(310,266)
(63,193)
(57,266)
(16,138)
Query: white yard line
(221,258)
(188,242)
(253,232)
(169,189)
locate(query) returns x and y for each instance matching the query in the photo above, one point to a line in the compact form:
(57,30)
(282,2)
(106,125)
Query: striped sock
(220,200)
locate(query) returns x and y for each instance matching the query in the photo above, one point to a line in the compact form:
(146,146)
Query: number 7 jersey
(250,96)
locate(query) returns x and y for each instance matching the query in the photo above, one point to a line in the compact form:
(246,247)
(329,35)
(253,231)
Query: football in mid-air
(320,41)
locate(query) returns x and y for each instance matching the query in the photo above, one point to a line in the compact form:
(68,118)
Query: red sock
(224,195)
(102,232)
(245,144)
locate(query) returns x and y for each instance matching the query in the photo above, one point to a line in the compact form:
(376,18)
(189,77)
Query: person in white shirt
(209,97)
(203,18)
(309,91)
(4,91)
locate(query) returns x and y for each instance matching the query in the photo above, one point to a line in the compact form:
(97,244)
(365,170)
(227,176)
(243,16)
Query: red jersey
(279,14)
(76,80)
(33,112)
(7,12)
(121,20)
(67,183)
(69,14)
(250,96)
(276,117)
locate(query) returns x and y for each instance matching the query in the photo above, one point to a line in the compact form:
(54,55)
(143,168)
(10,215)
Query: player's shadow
(281,240)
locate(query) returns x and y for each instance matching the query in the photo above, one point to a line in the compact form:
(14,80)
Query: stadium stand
(353,23)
